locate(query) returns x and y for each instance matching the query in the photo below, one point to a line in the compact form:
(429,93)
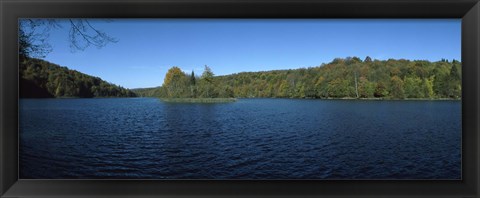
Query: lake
(145,138)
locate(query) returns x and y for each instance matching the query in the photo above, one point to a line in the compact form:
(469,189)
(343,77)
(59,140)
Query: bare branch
(34,34)
(90,35)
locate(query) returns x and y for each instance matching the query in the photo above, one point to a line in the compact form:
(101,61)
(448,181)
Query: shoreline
(206,100)
(198,100)
(399,99)
(374,99)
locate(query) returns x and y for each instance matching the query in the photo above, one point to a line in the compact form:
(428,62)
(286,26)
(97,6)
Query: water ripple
(248,139)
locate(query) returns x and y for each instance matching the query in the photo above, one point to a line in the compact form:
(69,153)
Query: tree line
(349,77)
(178,84)
(42,79)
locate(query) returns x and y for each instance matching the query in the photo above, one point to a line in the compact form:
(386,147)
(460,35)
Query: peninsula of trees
(349,77)
(41,79)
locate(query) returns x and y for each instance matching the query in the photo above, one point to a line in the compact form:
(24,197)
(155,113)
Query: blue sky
(147,48)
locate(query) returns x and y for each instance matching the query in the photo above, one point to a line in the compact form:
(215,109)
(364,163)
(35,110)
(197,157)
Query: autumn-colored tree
(396,87)
(174,82)
(381,90)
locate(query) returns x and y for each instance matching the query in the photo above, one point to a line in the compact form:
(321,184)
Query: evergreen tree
(368,59)
(192,79)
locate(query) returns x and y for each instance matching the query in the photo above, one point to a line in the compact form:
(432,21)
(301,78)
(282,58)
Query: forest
(41,79)
(349,77)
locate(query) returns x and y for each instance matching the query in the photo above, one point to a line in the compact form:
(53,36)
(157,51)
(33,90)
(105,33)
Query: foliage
(41,79)
(392,79)
(207,84)
(148,92)
(175,83)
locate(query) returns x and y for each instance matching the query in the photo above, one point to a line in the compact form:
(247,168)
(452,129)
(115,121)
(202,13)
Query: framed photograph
(239,99)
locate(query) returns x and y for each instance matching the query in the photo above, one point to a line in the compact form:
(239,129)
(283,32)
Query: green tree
(366,88)
(413,87)
(283,90)
(340,88)
(207,82)
(441,81)
(455,80)
(320,87)
(193,85)
(39,79)
(428,87)
(192,79)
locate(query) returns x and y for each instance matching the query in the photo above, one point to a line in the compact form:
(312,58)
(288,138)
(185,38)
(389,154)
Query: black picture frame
(467,10)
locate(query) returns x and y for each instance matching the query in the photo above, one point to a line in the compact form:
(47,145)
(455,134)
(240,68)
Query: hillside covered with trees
(41,79)
(348,77)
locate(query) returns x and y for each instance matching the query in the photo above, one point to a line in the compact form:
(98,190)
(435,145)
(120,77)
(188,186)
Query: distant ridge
(42,79)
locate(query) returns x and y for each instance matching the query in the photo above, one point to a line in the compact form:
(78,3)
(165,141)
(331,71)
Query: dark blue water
(145,138)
